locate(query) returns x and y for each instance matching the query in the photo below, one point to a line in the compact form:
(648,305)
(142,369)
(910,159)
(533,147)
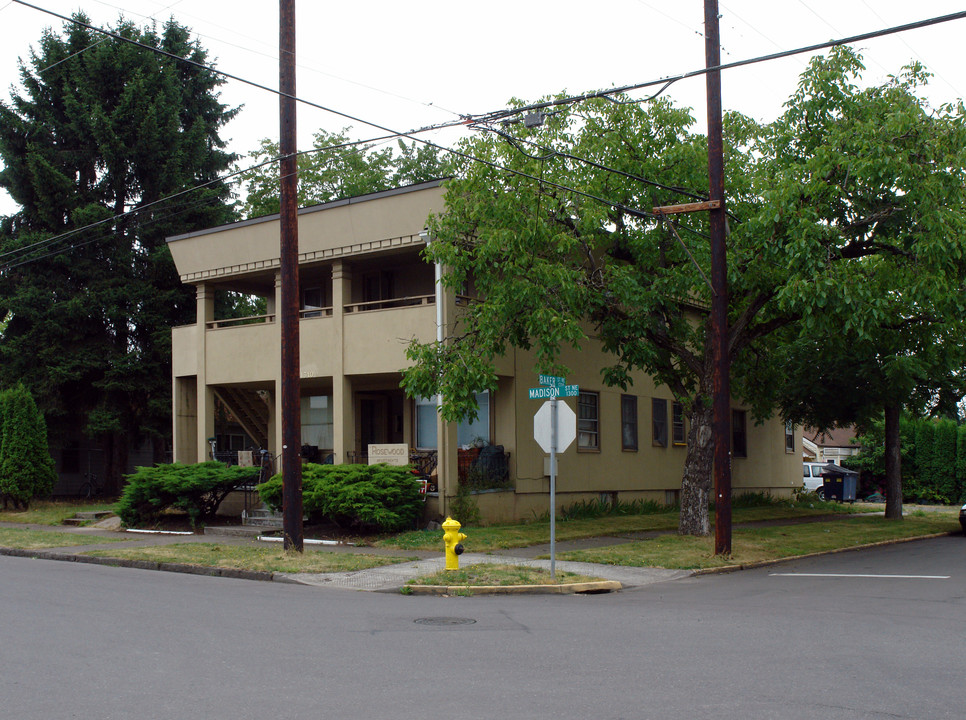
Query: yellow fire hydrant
(453,538)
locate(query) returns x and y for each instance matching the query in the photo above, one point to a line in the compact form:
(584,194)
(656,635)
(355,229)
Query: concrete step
(91,516)
(241,530)
(261,518)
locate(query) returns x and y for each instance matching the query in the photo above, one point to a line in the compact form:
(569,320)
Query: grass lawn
(488,574)
(52,512)
(251,557)
(751,545)
(24,539)
(496,537)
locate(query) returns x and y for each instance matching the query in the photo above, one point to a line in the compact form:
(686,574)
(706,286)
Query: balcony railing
(315,312)
(306,313)
(235,322)
(391,303)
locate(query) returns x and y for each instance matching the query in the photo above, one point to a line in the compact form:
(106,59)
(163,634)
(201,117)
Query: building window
(629,422)
(468,432)
(317,424)
(789,436)
(426,423)
(677,424)
(379,285)
(476,432)
(231,442)
(739,436)
(659,422)
(588,420)
(313,300)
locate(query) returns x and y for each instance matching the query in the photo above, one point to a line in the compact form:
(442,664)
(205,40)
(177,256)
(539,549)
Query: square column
(343,407)
(205,417)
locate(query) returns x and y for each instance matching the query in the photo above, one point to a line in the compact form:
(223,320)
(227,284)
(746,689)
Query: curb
(599,586)
(602,586)
(834,551)
(148,565)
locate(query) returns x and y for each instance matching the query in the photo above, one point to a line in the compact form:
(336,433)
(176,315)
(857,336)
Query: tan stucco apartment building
(366,293)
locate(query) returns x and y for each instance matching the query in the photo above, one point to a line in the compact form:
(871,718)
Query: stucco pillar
(205,428)
(185,415)
(343,415)
(448,457)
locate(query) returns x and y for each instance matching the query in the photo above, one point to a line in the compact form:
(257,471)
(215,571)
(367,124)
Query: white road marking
(860,575)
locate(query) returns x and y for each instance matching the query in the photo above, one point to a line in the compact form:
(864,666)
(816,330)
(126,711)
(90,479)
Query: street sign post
(554,429)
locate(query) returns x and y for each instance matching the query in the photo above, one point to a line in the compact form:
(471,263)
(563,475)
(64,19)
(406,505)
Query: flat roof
(429,184)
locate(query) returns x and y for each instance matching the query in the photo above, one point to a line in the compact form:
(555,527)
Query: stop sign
(566,426)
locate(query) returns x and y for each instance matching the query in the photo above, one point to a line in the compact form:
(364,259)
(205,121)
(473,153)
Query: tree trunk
(159,451)
(698,471)
(893,464)
(115,462)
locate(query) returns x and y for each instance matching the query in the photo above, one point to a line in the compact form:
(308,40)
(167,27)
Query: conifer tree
(26,468)
(101,128)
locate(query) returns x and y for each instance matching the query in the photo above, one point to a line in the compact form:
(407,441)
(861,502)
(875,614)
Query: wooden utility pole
(289,270)
(719,283)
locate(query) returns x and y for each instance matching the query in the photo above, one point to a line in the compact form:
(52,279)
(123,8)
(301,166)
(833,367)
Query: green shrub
(925,481)
(961,464)
(600,507)
(944,458)
(364,497)
(464,507)
(196,489)
(26,468)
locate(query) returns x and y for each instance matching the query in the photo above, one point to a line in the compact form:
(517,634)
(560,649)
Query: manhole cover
(444,621)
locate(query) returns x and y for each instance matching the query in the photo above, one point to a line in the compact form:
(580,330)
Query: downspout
(438,290)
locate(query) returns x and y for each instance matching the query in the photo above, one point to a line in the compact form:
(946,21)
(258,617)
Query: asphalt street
(868,634)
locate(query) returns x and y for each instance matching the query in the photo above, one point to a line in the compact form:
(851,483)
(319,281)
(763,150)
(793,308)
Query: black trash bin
(839,484)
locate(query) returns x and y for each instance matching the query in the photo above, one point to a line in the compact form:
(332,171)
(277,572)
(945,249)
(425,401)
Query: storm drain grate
(444,621)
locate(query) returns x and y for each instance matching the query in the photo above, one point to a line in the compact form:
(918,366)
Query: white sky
(420,62)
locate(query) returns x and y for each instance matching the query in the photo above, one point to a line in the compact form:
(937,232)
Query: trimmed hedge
(933,459)
(364,497)
(196,489)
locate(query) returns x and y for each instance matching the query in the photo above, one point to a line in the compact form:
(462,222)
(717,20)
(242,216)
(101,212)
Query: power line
(913,51)
(175,212)
(552,152)
(724,66)
(274,56)
(49,242)
(215,70)
(496,115)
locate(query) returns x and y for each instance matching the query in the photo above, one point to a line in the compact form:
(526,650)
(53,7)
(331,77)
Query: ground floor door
(380,418)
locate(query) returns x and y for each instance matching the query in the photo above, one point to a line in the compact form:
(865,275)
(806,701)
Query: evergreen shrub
(364,497)
(26,468)
(196,489)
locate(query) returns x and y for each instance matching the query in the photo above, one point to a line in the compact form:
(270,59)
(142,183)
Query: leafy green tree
(848,194)
(337,168)
(885,186)
(26,468)
(102,128)
(852,378)
(871,459)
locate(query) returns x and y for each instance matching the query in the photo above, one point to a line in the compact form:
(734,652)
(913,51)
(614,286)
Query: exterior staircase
(249,408)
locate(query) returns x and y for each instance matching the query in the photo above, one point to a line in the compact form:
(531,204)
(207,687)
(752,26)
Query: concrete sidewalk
(393,577)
